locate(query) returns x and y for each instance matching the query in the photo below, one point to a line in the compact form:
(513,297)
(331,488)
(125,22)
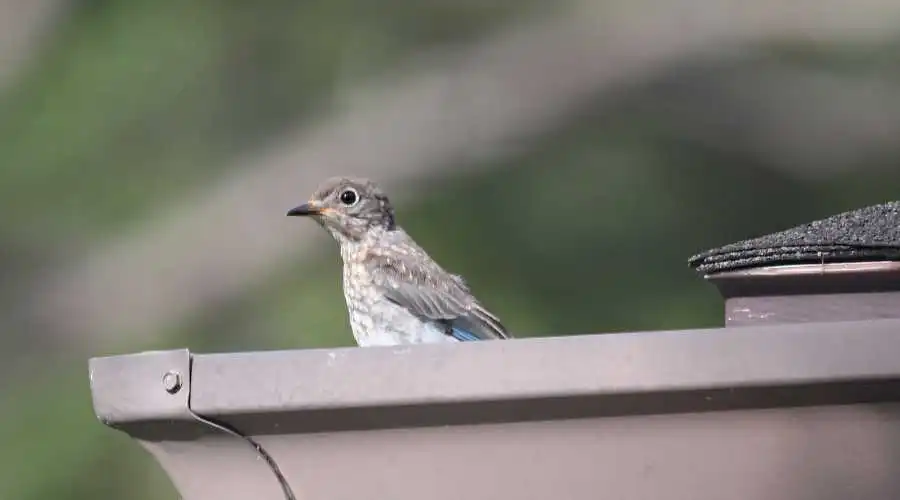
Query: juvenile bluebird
(395,293)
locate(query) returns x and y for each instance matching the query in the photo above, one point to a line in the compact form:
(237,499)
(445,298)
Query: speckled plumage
(395,293)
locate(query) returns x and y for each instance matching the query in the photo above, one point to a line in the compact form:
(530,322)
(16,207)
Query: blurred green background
(567,158)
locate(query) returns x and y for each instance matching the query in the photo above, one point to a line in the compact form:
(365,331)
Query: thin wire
(227,429)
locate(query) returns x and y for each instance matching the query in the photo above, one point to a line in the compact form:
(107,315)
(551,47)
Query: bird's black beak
(303,210)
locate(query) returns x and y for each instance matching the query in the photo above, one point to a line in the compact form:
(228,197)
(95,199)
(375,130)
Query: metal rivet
(172,382)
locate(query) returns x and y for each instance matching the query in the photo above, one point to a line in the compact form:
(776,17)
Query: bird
(396,294)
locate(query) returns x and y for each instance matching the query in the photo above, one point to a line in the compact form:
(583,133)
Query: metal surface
(129,390)
(742,311)
(147,395)
(815,453)
(353,388)
(806,411)
(172,381)
(851,291)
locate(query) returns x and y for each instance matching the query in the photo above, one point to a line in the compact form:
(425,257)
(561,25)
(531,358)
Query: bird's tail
(491,323)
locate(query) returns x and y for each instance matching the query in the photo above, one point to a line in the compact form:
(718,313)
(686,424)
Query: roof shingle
(867,234)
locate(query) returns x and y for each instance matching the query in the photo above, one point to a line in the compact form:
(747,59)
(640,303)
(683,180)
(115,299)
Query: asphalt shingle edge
(867,234)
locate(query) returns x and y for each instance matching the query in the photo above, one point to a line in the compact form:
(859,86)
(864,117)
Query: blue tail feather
(462,335)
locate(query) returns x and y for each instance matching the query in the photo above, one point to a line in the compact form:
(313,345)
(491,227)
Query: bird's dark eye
(349,197)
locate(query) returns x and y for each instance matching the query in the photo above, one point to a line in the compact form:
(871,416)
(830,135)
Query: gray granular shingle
(867,234)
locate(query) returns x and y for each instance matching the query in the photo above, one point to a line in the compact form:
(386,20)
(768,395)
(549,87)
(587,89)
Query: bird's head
(348,208)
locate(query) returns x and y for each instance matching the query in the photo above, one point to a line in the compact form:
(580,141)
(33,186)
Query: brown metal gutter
(774,412)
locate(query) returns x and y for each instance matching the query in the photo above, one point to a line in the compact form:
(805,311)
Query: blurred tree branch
(23,24)
(439,112)
(808,123)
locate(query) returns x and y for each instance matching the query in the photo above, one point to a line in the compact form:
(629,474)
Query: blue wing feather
(462,335)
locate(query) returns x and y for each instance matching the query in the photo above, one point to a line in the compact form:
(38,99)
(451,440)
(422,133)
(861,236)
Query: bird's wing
(426,290)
